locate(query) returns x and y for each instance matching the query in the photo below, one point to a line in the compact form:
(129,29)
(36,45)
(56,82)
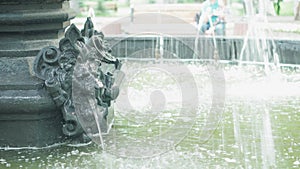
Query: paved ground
(282,26)
(285,27)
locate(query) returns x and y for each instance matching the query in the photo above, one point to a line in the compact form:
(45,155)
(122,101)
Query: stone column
(28,115)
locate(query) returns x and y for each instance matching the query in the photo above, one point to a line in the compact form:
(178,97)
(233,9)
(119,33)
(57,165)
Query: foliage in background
(287,8)
(100,6)
(151,1)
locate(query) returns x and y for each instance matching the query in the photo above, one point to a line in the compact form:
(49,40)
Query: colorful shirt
(210,8)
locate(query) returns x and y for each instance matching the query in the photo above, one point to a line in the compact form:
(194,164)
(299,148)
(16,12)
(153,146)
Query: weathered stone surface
(28,115)
(27,26)
(75,68)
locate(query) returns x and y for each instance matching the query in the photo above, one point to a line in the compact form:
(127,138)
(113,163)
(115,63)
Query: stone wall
(185,48)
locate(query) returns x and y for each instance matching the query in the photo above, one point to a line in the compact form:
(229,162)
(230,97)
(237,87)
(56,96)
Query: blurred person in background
(212,18)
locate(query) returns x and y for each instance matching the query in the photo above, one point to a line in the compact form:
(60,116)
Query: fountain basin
(229,48)
(241,140)
(27,108)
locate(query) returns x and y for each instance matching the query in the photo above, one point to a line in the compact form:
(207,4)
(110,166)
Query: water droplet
(230,160)
(296,162)
(75,152)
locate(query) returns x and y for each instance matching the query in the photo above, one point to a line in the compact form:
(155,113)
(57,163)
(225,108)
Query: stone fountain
(37,59)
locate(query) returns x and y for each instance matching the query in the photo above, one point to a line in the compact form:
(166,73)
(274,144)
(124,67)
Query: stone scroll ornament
(75,78)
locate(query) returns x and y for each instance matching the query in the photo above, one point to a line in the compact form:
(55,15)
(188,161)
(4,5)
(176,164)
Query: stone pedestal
(28,115)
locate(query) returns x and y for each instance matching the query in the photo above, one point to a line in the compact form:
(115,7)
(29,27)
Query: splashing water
(257,47)
(267,143)
(253,127)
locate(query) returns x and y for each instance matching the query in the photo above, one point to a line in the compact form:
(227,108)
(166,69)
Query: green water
(258,128)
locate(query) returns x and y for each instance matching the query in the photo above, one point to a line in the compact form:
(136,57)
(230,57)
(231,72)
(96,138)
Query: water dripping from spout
(267,141)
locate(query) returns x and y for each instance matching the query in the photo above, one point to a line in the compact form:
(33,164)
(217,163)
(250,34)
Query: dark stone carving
(56,67)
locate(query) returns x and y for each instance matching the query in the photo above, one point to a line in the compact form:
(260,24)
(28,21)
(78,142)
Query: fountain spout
(76,81)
